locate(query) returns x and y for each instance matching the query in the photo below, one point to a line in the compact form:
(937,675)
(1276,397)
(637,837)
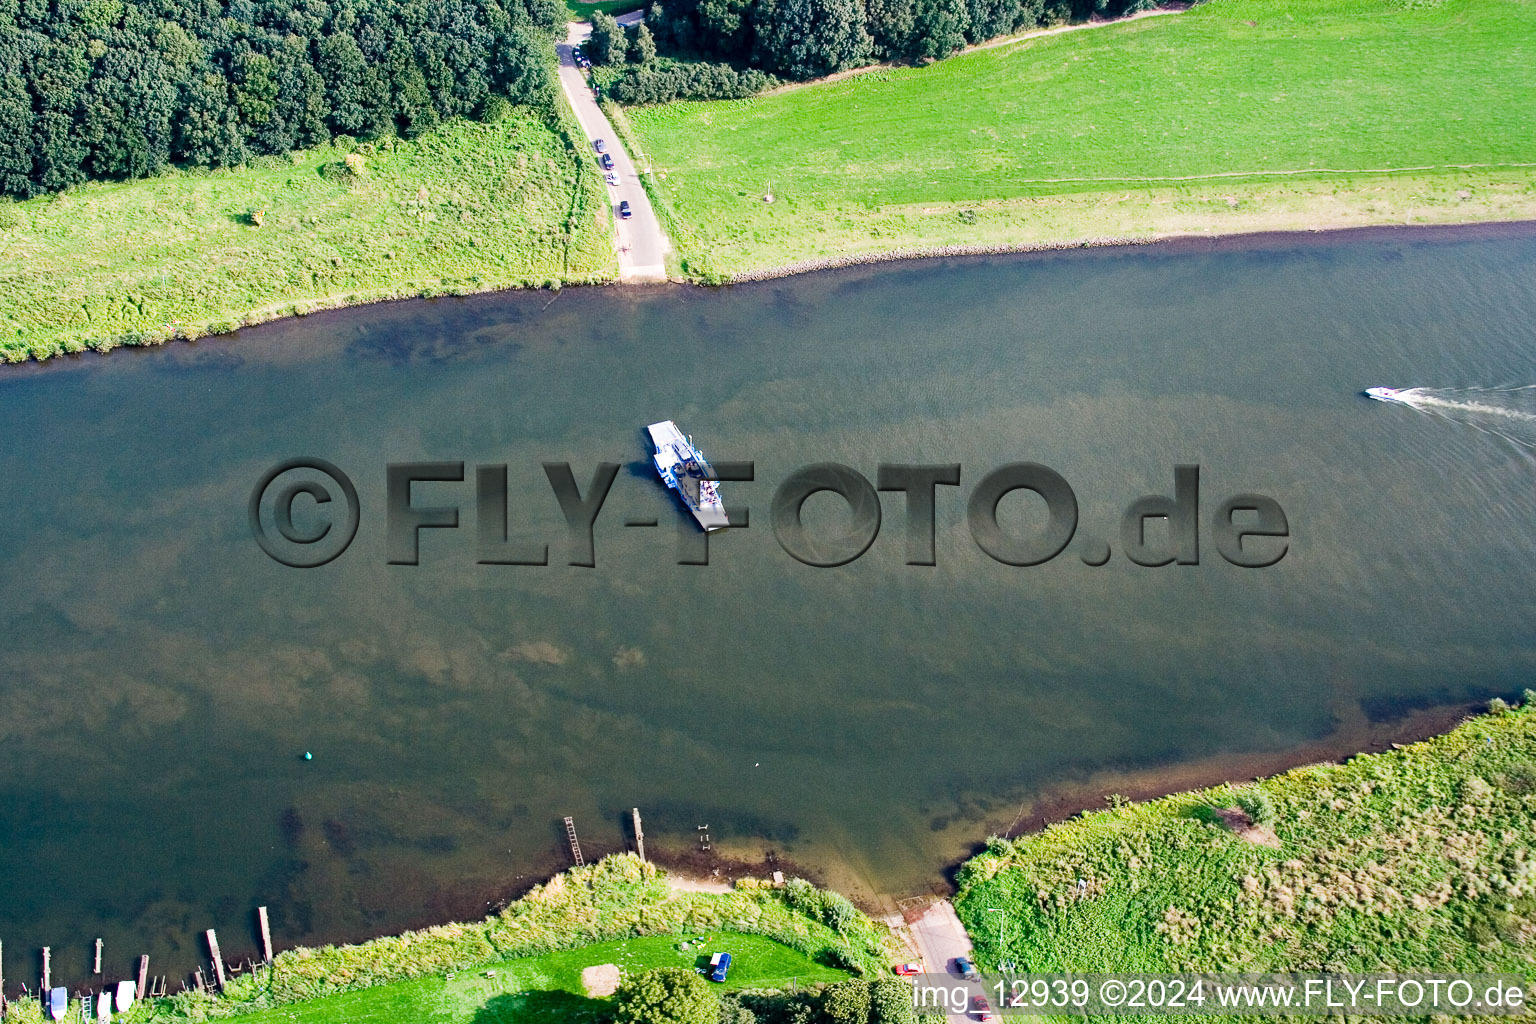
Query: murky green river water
(161,677)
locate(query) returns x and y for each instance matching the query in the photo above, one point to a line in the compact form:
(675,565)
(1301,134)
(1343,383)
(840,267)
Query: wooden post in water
(218,958)
(198,977)
(143,975)
(98,957)
(639,834)
(266,932)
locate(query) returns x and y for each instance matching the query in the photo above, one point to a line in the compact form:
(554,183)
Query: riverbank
(533,952)
(1411,858)
(1504,205)
(1235,117)
(467,207)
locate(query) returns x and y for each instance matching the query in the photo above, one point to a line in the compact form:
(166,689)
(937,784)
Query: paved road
(643,245)
(940,938)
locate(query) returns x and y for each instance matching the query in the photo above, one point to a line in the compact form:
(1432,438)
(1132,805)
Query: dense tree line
(124,88)
(802,39)
(701,80)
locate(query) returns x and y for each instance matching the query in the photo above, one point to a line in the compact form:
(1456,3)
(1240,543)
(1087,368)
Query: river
(162,678)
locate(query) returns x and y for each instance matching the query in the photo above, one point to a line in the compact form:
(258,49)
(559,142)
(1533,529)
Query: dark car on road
(600,145)
(624,211)
(966,969)
(606,162)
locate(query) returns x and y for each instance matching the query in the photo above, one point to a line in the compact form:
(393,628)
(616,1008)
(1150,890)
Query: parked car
(606,161)
(966,969)
(982,1009)
(600,145)
(624,214)
(720,963)
(611,177)
(909,969)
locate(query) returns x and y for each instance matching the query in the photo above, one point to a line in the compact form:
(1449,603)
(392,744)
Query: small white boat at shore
(125,995)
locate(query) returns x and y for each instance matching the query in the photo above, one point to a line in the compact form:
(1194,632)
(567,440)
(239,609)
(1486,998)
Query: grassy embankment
(1420,858)
(992,147)
(537,947)
(468,207)
(548,989)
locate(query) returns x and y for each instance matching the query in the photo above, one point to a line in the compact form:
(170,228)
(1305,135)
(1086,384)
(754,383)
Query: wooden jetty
(639,834)
(266,933)
(97,968)
(46,973)
(143,974)
(570,834)
(218,958)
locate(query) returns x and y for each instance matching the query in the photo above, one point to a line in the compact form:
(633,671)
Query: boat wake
(1507,412)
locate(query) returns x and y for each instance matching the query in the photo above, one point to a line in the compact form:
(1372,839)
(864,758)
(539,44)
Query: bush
(890,1002)
(666,995)
(846,1002)
(1258,806)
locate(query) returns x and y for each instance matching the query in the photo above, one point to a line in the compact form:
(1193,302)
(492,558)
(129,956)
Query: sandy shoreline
(1253,240)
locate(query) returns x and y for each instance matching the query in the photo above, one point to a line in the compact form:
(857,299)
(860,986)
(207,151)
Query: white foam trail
(1508,412)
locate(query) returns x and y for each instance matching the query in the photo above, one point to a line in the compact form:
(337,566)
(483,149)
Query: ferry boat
(686,471)
(1388,394)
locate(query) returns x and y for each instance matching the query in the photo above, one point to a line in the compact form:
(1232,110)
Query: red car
(908,969)
(982,1009)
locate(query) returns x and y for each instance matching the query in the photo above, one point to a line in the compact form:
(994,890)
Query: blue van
(719,965)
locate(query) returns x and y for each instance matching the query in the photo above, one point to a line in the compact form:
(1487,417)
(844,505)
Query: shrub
(890,1002)
(846,1002)
(1258,806)
(666,995)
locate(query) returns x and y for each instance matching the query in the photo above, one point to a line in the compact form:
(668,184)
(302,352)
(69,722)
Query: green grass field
(581,12)
(1052,138)
(468,207)
(547,989)
(1413,859)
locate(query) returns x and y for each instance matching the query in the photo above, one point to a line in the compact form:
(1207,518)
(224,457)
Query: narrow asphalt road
(642,244)
(940,938)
